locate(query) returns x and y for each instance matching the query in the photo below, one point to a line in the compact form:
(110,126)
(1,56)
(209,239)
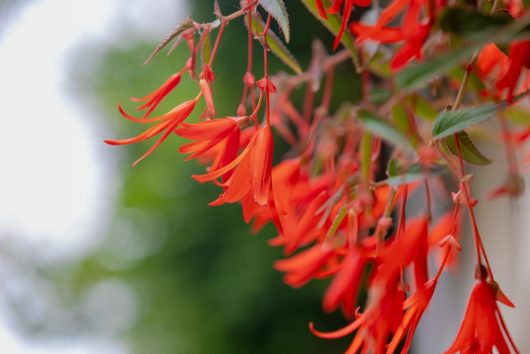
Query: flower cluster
(339,214)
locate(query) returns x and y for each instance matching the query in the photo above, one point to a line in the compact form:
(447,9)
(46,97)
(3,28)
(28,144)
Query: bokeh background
(96,256)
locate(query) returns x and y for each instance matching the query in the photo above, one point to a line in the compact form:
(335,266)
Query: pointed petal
(261,165)
(210,176)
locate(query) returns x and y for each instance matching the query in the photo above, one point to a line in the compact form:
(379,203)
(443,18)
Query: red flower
(300,226)
(519,59)
(345,285)
(411,247)
(251,171)
(347,8)
(305,265)
(382,317)
(217,142)
(152,100)
(413,31)
(414,307)
(166,123)
(481,329)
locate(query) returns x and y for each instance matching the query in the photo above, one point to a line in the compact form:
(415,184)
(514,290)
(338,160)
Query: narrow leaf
(206,49)
(383,129)
(415,173)
(177,31)
(470,153)
(450,122)
(417,75)
(277,9)
(276,46)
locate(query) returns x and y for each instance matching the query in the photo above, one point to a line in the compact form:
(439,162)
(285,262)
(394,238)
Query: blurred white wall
(504,226)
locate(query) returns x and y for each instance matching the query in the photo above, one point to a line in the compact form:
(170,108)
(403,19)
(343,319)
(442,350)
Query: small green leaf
(450,122)
(206,49)
(276,45)
(423,107)
(332,23)
(277,9)
(177,31)
(402,122)
(393,169)
(383,129)
(415,173)
(470,153)
(417,75)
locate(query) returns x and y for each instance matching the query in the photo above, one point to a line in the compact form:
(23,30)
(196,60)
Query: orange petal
(208,98)
(223,170)
(261,165)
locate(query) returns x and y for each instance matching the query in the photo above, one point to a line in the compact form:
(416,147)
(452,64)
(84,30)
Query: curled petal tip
(450,241)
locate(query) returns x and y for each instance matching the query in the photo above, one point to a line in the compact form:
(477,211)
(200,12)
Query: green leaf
(277,9)
(276,45)
(413,174)
(450,122)
(393,169)
(177,31)
(332,23)
(422,107)
(470,153)
(466,22)
(383,129)
(401,121)
(417,75)
(206,49)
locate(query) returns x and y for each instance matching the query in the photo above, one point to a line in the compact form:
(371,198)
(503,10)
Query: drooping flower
(519,59)
(251,171)
(411,247)
(166,124)
(413,30)
(345,284)
(216,141)
(303,266)
(482,328)
(347,7)
(153,99)
(382,317)
(414,307)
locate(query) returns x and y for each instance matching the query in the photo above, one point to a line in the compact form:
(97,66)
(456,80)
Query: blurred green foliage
(204,284)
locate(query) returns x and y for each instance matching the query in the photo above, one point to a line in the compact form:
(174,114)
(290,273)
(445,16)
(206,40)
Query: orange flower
(519,59)
(166,123)
(382,317)
(305,265)
(411,247)
(481,329)
(208,136)
(345,285)
(412,30)
(251,171)
(414,306)
(300,226)
(152,100)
